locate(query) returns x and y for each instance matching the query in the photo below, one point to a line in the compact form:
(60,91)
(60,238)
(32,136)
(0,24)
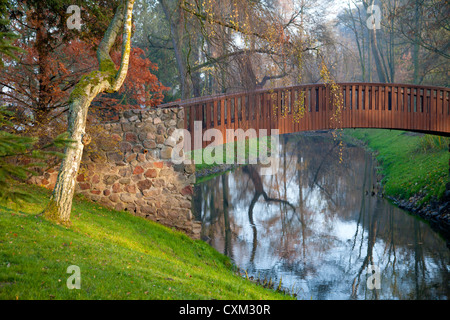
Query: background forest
(189,48)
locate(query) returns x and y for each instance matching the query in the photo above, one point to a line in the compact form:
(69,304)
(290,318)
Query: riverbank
(414,168)
(120,256)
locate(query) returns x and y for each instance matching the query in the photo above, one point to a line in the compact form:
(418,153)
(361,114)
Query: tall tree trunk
(379,63)
(369,57)
(391,61)
(361,50)
(43,48)
(417,36)
(106,79)
(196,81)
(377,56)
(181,64)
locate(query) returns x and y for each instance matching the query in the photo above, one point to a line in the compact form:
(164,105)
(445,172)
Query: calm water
(317,226)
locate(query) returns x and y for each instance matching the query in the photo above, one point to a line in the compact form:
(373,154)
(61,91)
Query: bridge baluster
(404,107)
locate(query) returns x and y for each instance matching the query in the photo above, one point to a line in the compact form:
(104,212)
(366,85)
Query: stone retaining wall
(131,169)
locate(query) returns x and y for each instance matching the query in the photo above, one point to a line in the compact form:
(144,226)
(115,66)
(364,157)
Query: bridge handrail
(366,105)
(211,98)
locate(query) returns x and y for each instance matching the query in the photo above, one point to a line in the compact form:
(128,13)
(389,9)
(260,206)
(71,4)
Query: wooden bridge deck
(365,105)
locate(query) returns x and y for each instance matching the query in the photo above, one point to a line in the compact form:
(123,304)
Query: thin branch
(229,55)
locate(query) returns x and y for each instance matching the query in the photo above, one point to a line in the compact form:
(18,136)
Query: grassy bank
(120,256)
(410,164)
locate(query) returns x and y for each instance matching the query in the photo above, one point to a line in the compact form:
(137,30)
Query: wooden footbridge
(311,107)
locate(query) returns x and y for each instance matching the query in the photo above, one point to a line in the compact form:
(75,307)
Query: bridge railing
(311,107)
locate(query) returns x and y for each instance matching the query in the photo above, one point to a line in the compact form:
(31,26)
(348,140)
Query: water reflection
(318,225)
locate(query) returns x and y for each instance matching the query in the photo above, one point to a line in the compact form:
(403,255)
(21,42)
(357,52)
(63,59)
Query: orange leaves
(141,85)
(39,84)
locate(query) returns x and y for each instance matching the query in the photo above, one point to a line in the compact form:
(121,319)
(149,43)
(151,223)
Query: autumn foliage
(36,87)
(141,85)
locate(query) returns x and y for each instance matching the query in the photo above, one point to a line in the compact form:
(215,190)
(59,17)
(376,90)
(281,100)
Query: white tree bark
(106,79)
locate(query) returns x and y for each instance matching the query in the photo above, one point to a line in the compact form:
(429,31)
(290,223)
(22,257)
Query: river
(320,227)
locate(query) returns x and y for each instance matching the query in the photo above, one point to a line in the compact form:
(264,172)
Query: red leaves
(141,85)
(42,79)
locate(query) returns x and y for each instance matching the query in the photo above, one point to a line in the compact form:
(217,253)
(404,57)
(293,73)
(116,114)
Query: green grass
(120,257)
(410,164)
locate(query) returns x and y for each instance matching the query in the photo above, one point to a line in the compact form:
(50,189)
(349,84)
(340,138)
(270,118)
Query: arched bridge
(365,105)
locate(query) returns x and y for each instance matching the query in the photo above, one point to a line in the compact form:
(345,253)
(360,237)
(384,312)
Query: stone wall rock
(137,175)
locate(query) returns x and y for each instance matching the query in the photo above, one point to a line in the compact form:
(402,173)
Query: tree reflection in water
(318,224)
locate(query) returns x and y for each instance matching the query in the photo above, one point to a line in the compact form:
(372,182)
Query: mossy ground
(120,256)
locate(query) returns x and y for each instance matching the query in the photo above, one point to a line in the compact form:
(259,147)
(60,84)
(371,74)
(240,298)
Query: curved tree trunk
(107,79)
(61,201)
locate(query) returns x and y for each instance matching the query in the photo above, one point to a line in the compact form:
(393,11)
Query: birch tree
(106,79)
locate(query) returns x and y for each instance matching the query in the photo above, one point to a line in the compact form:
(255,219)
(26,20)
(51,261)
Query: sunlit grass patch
(120,257)
(410,164)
